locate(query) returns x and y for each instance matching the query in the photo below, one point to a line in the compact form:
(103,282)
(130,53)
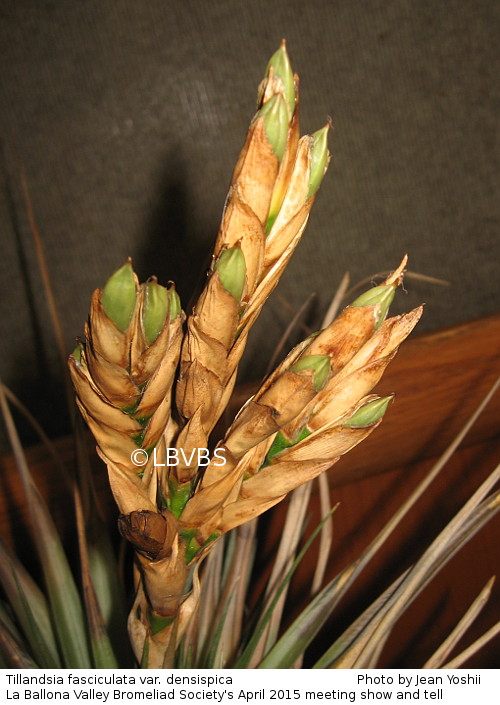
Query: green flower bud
(119,295)
(319,364)
(154,310)
(382,295)
(77,353)
(280,64)
(369,413)
(175,304)
(281,442)
(232,270)
(157,302)
(276,121)
(319,159)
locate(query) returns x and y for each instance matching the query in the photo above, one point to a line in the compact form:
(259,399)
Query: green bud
(319,159)
(77,353)
(382,295)
(119,295)
(280,64)
(157,301)
(232,270)
(276,121)
(155,309)
(319,364)
(281,442)
(175,304)
(369,413)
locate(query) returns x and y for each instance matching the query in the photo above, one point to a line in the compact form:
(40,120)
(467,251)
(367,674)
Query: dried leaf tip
(231,268)
(119,295)
(369,414)
(319,159)
(276,122)
(318,364)
(398,274)
(279,63)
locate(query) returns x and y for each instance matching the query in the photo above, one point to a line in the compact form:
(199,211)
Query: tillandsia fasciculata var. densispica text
(152,382)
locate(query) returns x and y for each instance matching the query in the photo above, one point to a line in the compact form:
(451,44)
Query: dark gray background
(128,117)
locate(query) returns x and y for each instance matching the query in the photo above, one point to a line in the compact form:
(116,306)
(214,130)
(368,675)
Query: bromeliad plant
(309,412)
(152,383)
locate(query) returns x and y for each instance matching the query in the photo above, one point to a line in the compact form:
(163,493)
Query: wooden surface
(439,380)
(364,506)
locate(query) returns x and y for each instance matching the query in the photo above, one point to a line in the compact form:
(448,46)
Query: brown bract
(295,208)
(241,226)
(256,170)
(288,160)
(203,371)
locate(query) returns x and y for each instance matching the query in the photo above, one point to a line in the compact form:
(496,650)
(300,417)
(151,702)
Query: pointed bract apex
(77,353)
(319,364)
(319,158)
(231,268)
(279,65)
(175,303)
(154,310)
(370,413)
(381,296)
(119,295)
(397,276)
(276,121)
